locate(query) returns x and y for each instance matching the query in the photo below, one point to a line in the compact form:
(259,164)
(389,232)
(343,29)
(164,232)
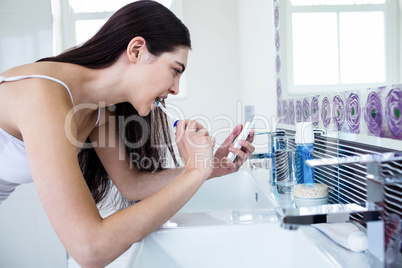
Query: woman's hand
(222,165)
(195,146)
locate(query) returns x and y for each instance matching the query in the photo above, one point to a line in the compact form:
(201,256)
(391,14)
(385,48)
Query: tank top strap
(97,120)
(16,78)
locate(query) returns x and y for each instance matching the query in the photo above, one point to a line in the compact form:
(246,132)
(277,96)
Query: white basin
(225,225)
(238,191)
(256,245)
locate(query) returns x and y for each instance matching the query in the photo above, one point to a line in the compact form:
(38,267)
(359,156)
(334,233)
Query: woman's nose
(174,89)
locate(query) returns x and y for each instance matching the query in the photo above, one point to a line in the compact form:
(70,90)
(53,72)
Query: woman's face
(157,77)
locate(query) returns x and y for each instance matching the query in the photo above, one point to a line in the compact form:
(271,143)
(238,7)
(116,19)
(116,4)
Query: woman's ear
(136,46)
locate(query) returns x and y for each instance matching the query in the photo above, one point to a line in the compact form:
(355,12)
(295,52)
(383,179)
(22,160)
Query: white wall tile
(257,57)
(10,6)
(212,74)
(18,234)
(11,41)
(25,32)
(24,191)
(38,6)
(50,251)
(26,236)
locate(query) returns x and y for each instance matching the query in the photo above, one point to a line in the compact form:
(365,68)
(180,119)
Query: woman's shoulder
(57,70)
(24,98)
(37,79)
(31,69)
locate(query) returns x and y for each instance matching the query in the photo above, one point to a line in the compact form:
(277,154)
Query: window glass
(333,43)
(335,2)
(86,26)
(84,29)
(362,47)
(88,6)
(315,48)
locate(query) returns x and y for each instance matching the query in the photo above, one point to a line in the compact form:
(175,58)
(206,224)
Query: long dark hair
(163,32)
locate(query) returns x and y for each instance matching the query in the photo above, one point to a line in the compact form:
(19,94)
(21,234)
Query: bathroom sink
(238,191)
(242,245)
(256,245)
(232,222)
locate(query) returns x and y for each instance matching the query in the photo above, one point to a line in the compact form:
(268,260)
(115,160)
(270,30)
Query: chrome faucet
(257,159)
(292,218)
(372,212)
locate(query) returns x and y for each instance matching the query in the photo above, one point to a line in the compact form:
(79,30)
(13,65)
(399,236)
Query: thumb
(235,132)
(180,129)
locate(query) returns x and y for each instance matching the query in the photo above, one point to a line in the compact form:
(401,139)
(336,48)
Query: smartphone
(248,126)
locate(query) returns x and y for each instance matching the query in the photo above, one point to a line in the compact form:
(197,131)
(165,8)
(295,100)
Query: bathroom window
(75,21)
(340,44)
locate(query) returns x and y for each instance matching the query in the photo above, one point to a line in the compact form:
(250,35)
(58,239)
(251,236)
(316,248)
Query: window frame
(393,68)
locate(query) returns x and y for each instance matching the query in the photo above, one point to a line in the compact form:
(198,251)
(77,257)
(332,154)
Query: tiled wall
(348,183)
(370,112)
(27,238)
(374,112)
(25,32)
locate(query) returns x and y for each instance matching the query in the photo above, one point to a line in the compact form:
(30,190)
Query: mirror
(333,72)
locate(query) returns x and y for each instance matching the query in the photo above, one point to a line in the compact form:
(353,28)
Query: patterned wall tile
(373,111)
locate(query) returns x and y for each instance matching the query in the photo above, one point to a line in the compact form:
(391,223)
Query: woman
(77,110)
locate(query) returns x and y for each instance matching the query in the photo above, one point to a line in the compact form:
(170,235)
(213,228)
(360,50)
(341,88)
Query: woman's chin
(144,112)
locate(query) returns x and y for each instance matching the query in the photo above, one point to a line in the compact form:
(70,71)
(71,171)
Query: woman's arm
(136,185)
(91,240)
(121,168)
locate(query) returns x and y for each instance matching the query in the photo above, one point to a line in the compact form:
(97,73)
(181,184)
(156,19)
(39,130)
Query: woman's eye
(176,71)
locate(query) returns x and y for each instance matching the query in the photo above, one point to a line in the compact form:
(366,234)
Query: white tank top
(14,168)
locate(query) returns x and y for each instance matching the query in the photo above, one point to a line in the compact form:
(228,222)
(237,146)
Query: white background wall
(212,75)
(257,58)
(25,31)
(231,65)
(26,236)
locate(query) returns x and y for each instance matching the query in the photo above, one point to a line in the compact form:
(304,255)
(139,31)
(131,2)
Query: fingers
(250,137)
(194,134)
(242,154)
(247,147)
(189,126)
(229,165)
(198,135)
(195,146)
(233,135)
(180,128)
(212,142)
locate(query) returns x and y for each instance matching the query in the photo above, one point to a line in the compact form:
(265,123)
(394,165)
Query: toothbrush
(173,118)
